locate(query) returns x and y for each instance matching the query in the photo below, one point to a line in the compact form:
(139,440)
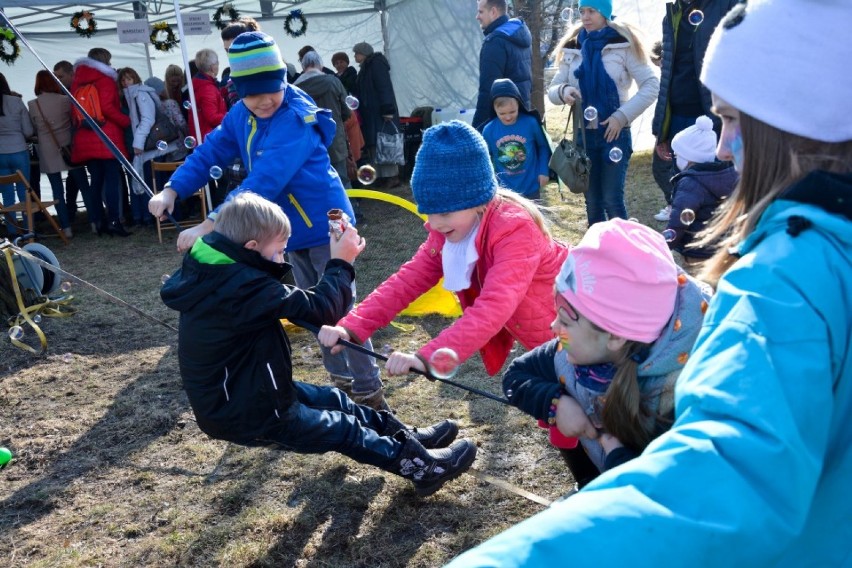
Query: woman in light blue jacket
(756,469)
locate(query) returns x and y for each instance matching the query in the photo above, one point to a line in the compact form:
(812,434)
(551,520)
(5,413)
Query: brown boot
(342,383)
(375,400)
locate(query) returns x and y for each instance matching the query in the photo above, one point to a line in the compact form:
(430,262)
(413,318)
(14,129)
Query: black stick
(361,349)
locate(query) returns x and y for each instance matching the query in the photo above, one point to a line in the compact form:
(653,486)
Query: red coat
(86,144)
(511,294)
(211,105)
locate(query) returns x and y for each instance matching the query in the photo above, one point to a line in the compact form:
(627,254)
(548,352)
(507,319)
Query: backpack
(90,100)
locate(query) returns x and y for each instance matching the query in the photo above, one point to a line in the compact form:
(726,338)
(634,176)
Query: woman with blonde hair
(598,62)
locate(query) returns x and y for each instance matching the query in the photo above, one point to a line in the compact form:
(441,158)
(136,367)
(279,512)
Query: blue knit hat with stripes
(256,64)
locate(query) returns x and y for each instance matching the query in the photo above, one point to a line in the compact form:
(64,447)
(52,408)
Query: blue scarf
(596,378)
(597,87)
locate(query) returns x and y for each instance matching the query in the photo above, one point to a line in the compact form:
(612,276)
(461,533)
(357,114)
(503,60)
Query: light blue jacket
(286,157)
(756,470)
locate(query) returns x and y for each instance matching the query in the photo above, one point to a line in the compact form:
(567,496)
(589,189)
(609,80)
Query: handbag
(569,161)
(390,146)
(64,151)
(162,129)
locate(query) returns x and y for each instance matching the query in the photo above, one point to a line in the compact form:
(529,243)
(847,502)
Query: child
(626,319)
(491,246)
(282,139)
(755,470)
(699,188)
(519,149)
(235,356)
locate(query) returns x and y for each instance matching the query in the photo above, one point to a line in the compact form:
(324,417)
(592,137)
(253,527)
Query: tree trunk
(531,12)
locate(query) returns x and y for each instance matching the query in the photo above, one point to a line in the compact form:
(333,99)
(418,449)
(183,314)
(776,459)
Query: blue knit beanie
(256,65)
(452,170)
(602,6)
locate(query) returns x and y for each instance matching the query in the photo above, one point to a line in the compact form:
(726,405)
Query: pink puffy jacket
(511,293)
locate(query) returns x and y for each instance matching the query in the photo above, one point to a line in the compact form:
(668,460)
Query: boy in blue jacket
(519,149)
(282,139)
(235,360)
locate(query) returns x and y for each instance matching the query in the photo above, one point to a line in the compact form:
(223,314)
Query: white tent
(433,45)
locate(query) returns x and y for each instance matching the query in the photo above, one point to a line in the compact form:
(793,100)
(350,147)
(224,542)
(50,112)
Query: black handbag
(163,129)
(390,146)
(570,161)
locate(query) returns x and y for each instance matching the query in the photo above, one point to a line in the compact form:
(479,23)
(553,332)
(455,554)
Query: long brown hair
(625,413)
(772,161)
(625,30)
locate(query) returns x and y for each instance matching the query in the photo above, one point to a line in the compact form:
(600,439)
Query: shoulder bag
(64,151)
(569,161)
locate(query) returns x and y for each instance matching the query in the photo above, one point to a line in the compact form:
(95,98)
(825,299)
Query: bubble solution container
(466,115)
(442,115)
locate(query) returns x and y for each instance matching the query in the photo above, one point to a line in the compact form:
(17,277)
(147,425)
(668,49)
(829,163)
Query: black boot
(438,435)
(429,470)
(115,228)
(581,466)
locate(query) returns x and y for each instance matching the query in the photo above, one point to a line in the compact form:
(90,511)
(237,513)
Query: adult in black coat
(378,105)
(345,72)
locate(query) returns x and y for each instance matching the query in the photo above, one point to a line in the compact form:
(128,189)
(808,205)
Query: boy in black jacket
(235,356)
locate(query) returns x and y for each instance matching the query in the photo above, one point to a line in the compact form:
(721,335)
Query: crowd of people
(701,412)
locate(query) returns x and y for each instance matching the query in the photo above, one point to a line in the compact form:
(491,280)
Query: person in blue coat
(755,470)
(506,54)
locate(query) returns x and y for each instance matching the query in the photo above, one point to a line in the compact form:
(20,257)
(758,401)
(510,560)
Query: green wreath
(295,15)
(163,44)
(7,35)
(233,15)
(91,27)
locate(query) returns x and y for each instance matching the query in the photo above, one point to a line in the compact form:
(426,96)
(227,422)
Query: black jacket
(234,355)
(376,96)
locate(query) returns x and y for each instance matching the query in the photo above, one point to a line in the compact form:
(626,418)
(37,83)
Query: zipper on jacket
(301,211)
(252,132)
(274,386)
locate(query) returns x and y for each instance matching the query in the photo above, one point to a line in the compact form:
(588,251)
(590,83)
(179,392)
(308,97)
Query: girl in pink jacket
(491,246)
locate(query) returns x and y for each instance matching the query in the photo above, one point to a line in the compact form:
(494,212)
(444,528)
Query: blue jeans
(605,196)
(308,266)
(55,180)
(663,170)
(9,164)
(324,419)
(91,200)
(106,182)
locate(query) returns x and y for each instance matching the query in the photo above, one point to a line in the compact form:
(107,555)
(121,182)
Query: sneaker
(436,436)
(664,213)
(429,470)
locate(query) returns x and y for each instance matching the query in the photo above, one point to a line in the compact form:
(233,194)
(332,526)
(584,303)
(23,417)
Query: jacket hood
(507,88)
(513,30)
(327,127)
(716,177)
(320,82)
(670,351)
(378,58)
(211,254)
(134,90)
(820,201)
(87,70)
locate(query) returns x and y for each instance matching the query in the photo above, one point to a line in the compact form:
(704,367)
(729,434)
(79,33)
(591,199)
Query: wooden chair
(201,193)
(30,205)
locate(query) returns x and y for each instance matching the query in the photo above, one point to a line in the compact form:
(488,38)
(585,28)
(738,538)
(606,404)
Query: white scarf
(459,260)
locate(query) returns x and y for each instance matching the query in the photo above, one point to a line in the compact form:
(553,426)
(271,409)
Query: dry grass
(111,470)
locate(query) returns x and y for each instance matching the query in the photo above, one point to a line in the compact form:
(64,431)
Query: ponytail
(624,414)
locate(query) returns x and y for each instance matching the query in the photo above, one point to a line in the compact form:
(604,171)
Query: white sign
(133,31)
(195,23)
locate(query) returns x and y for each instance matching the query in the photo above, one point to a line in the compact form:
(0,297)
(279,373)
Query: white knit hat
(786,63)
(696,143)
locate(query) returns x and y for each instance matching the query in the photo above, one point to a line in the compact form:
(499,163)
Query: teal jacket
(756,469)
(286,157)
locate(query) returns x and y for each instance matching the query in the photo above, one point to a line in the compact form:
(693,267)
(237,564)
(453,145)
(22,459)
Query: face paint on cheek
(564,341)
(737,149)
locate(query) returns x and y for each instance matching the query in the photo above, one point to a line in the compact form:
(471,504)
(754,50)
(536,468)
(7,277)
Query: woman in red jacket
(491,246)
(208,98)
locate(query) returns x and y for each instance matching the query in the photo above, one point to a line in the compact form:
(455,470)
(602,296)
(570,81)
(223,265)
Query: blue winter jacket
(505,54)
(286,157)
(756,469)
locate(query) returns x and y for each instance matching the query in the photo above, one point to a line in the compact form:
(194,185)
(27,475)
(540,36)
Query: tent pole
(189,86)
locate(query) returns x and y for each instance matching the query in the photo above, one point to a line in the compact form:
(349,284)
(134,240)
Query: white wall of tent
(433,45)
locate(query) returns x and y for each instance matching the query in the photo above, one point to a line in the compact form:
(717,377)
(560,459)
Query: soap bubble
(567,15)
(16,332)
(165,278)
(669,235)
(65,287)
(37,318)
(696,17)
(590,114)
(190,142)
(215,172)
(367,174)
(687,217)
(616,154)
(352,102)
(444,363)
(187,105)
(387,349)
(162,145)
(67,358)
